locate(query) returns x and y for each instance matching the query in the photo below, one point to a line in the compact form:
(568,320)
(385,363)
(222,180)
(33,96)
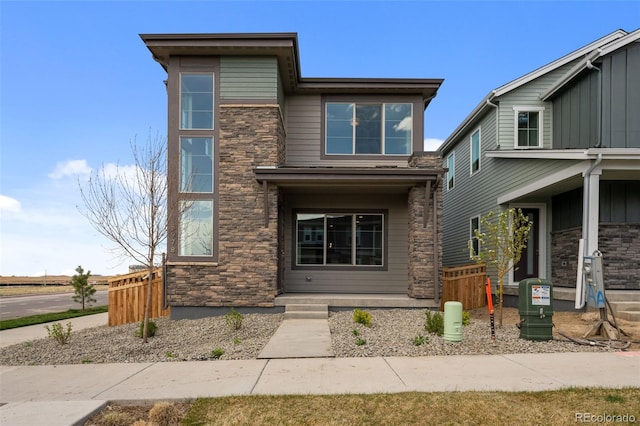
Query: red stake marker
(490,307)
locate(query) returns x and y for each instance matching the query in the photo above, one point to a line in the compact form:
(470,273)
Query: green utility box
(536,309)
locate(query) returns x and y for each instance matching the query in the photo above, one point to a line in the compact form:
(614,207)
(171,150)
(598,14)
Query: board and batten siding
(393,280)
(248,77)
(575,115)
(304,132)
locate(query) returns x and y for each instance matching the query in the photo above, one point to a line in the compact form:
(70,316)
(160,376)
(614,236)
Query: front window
(349,239)
(196,164)
(451,165)
(528,127)
(196,228)
(475,151)
(364,128)
(196,101)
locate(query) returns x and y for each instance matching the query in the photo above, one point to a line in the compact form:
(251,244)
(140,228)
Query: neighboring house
(563,144)
(280,184)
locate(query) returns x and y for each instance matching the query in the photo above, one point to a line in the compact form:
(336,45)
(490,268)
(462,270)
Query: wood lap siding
(248,77)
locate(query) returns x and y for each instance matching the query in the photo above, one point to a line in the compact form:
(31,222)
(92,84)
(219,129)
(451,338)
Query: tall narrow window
(475,151)
(451,165)
(474,226)
(196,228)
(196,164)
(196,101)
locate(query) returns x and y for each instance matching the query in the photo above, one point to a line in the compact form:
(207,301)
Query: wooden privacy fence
(128,295)
(465,284)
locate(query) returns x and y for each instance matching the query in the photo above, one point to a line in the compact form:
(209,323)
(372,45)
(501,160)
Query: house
(281,185)
(563,144)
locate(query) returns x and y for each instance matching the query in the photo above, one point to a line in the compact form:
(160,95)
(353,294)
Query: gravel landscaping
(393,332)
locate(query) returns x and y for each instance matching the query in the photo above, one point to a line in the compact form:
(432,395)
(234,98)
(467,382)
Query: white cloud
(405,125)
(432,144)
(8,204)
(70,168)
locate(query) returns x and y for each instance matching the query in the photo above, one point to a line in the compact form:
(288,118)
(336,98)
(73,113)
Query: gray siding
(393,280)
(303,122)
(575,115)
(621,98)
(249,77)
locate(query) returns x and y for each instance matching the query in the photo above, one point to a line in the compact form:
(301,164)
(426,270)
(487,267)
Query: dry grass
(40,289)
(554,408)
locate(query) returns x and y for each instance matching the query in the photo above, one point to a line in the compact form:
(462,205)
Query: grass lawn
(55,316)
(563,407)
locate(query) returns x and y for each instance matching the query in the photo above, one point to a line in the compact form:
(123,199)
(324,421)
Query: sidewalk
(69,394)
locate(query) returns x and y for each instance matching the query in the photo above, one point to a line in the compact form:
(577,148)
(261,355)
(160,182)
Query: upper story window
(475,151)
(528,127)
(196,101)
(196,164)
(451,165)
(368,128)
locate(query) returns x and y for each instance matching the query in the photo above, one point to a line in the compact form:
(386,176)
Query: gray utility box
(536,309)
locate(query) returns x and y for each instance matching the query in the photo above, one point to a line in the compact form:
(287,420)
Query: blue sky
(77,85)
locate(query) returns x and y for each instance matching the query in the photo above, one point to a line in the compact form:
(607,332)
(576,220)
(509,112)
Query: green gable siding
(249,77)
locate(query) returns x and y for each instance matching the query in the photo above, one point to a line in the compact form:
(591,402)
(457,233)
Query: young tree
(501,244)
(83,290)
(128,205)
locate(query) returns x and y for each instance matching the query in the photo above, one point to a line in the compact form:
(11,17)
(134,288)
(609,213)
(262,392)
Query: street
(22,306)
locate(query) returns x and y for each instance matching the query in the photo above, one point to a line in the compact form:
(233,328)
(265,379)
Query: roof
(285,47)
(608,43)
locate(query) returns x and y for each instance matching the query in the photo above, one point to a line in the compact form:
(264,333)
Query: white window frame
(451,166)
(471,171)
(540,111)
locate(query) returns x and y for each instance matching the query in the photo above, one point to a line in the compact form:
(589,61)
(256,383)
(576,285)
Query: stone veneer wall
(421,266)
(620,247)
(246,271)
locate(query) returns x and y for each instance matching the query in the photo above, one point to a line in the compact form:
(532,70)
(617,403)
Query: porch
(338,301)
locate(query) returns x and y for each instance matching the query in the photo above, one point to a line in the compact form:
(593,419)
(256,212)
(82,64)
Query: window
(364,128)
(331,239)
(474,226)
(528,127)
(451,163)
(196,164)
(475,151)
(196,228)
(196,101)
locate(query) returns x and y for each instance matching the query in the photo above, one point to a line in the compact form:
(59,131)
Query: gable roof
(608,43)
(284,46)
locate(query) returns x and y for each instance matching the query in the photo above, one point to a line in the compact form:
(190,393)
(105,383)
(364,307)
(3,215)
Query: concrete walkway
(69,394)
(299,338)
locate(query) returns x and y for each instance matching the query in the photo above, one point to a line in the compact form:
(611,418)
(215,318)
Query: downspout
(497,122)
(436,269)
(586,202)
(590,66)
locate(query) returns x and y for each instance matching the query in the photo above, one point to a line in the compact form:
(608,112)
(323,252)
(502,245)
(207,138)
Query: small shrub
(234,319)
(466,318)
(86,361)
(117,418)
(170,354)
(419,340)
(614,398)
(434,323)
(355,332)
(217,353)
(164,414)
(236,341)
(58,333)
(151,329)
(360,341)
(362,317)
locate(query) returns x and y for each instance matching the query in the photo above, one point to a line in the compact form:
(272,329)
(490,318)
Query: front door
(529,261)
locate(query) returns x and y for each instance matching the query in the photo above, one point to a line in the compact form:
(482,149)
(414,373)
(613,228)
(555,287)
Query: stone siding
(246,271)
(421,265)
(620,247)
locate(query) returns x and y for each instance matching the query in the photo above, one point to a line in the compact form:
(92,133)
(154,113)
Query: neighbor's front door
(529,261)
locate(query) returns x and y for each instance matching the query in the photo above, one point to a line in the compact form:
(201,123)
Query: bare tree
(128,205)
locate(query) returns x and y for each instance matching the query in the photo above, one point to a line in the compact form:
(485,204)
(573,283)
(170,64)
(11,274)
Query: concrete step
(624,306)
(628,315)
(306,311)
(623,295)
